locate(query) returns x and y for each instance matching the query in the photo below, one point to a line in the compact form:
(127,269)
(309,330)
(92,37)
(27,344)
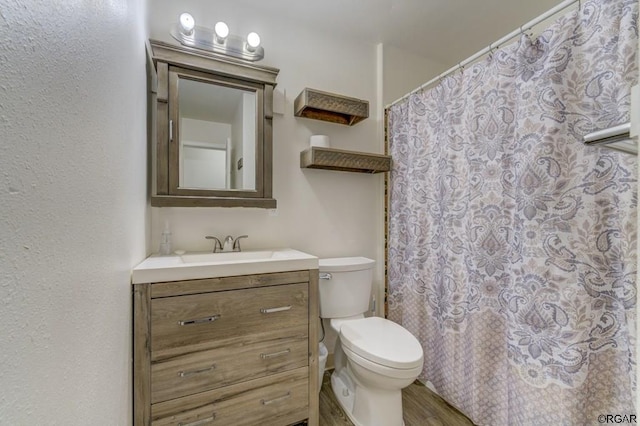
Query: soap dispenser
(165,240)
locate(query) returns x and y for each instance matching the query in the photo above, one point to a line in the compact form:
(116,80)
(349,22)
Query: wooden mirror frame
(164,192)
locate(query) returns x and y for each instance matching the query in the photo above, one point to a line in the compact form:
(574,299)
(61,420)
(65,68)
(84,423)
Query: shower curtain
(511,245)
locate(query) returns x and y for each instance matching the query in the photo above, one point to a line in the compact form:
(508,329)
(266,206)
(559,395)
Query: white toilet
(374,358)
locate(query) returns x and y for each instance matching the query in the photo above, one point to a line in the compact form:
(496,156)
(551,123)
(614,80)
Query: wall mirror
(214,134)
(217,130)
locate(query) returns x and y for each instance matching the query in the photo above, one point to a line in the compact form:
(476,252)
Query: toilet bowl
(374,358)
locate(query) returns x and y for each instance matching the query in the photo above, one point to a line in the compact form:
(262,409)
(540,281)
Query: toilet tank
(345,286)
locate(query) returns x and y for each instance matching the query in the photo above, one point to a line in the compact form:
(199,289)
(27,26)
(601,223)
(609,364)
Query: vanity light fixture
(217,40)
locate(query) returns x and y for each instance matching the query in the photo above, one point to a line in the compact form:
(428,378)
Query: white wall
(248,140)
(207,132)
(73,207)
(237,144)
(203,167)
(322,212)
(405,71)
(209,149)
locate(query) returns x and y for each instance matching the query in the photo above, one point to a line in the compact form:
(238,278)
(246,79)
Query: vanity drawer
(184,324)
(276,400)
(214,368)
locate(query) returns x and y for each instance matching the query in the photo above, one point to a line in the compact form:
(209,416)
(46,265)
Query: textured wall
(72,207)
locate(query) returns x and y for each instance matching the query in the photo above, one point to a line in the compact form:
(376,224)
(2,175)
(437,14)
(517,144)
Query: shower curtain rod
(493,46)
(617,137)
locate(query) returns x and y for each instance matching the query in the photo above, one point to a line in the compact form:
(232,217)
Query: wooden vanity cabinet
(236,350)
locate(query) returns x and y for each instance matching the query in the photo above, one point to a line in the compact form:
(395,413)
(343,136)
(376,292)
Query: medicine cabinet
(213,142)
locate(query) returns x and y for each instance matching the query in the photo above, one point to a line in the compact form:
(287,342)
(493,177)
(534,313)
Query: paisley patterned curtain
(512,246)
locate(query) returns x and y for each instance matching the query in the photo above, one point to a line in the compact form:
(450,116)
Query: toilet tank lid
(341,264)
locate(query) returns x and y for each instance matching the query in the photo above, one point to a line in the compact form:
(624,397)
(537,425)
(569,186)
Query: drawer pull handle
(278,399)
(199,422)
(273,310)
(200,320)
(199,371)
(325,276)
(275,354)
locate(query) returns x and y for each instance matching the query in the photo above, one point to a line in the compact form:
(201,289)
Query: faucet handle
(236,243)
(216,243)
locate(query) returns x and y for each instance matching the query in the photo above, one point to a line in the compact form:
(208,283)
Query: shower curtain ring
(460,67)
(523,32)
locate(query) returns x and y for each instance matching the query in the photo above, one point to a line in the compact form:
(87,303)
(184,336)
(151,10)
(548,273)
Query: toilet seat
(382,342)
(383,370)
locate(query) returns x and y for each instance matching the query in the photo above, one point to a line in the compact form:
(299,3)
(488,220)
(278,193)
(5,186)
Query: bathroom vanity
(225,339)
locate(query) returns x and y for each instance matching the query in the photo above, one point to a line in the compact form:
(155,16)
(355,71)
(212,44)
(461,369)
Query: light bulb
(222,31)
(253,41)
(187,23)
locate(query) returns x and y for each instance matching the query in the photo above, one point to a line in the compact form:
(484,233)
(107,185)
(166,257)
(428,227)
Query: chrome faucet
(229,244)
(217,245)
(236,243)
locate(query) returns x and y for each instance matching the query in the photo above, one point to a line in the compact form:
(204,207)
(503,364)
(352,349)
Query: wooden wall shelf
(346,161)
(324,106)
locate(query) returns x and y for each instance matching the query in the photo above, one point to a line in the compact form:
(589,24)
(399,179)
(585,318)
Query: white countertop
(199,265)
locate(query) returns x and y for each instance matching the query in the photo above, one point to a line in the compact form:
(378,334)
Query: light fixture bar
(206,39)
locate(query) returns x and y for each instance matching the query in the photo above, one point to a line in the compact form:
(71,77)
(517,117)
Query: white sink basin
(226,257)
(193,266)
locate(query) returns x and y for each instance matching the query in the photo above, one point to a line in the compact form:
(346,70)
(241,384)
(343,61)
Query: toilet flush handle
(325,276)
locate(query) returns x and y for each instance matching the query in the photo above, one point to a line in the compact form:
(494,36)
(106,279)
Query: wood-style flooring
(421,407)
